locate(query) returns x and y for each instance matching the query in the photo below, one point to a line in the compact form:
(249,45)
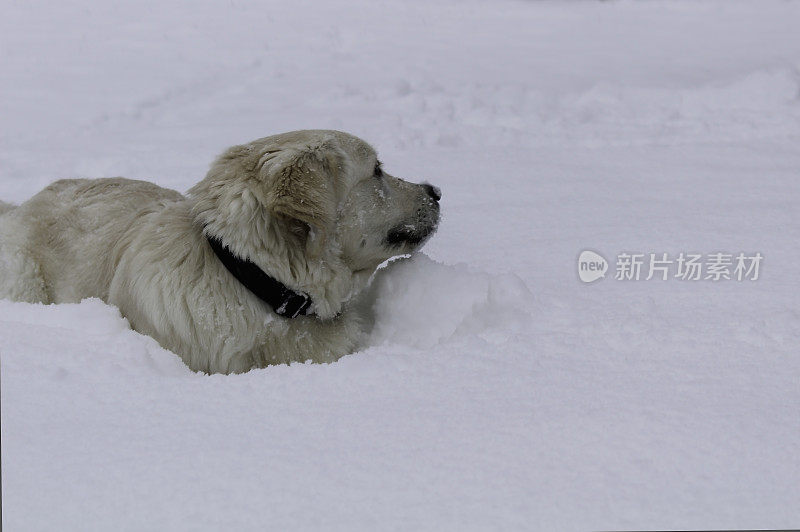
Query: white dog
(258,265)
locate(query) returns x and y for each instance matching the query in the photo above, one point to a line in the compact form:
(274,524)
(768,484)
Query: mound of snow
(61,339)
(422,303)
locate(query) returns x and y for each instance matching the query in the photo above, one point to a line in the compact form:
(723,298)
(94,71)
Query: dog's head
(315,210)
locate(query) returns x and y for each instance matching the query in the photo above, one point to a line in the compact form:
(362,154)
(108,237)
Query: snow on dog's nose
(433,191)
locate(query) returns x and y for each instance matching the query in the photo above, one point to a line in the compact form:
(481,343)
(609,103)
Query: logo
(591,266)
(684,266)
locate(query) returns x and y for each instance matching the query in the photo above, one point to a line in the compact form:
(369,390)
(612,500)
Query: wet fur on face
(313,209)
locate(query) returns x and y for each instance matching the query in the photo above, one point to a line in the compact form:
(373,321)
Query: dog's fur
(310,208)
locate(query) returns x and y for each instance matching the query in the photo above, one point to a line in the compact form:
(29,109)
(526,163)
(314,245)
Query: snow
(498,391)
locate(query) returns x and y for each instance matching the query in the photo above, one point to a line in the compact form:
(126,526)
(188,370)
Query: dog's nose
(433,191)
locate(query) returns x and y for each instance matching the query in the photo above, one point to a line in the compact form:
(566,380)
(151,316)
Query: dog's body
(312,209)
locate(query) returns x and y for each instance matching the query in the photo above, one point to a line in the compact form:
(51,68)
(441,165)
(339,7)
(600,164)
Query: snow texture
(497,391)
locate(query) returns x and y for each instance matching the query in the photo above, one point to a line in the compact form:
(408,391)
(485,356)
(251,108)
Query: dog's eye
(378,170)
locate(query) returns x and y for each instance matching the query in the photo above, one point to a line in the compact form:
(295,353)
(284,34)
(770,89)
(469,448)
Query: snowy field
(498,390)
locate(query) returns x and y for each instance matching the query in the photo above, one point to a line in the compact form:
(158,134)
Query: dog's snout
(433,191)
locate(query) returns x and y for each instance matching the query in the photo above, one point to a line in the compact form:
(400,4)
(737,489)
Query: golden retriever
(258,264)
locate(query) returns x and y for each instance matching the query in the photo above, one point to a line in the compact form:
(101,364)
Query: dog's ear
(290,181)
(302,186)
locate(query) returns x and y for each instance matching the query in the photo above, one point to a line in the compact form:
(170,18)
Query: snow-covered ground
(498,392)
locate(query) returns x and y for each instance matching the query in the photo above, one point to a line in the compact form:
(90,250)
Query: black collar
(283,300)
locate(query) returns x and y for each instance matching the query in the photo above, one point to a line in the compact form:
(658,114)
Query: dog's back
(6,207)
(60,245)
